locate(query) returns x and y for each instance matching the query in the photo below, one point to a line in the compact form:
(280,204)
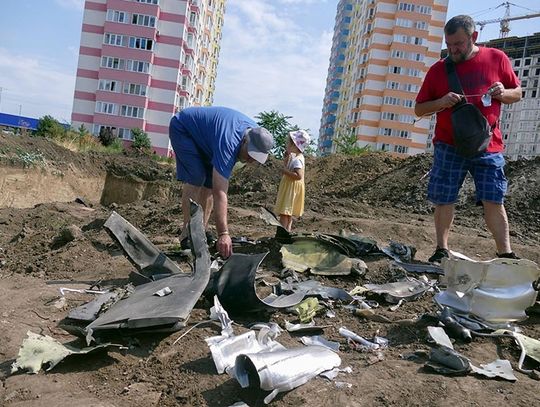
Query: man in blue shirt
(207,142)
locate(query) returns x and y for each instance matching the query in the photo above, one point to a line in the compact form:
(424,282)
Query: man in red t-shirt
(480,71)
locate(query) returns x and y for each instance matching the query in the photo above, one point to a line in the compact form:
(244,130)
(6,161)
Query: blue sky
(274,53)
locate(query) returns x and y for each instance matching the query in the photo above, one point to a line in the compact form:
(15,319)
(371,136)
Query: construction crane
(505,20)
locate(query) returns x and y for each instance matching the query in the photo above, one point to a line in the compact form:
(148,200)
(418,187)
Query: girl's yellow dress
(291,193)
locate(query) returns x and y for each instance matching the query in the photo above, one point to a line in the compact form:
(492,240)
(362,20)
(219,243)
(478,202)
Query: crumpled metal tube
(283,370)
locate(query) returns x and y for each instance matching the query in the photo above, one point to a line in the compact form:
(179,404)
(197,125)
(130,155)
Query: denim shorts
(191,166)
(449,171)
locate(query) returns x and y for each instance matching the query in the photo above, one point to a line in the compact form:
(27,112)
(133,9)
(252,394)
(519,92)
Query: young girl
(290,197)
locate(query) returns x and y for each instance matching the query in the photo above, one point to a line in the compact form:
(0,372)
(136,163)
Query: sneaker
(439,254)
(510,255)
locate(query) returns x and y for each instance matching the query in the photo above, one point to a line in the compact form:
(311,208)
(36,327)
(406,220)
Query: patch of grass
(29,158)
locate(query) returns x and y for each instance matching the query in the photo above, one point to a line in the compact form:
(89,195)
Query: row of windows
(414,8)
(405,22)
(122,64)
(395,148)
(118,132)
(386,131)
(136,19)
(526,62)
(407,87)
(402,118)
(407,39)
(148,1)
(411,56)
(120,40)
(394,101)
(129,88)
(125,110)
(400,70)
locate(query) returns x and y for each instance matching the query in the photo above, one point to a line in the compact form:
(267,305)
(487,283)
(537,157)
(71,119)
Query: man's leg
(444,216)
(189,192)
(497,223)
(491,186)
(206,200)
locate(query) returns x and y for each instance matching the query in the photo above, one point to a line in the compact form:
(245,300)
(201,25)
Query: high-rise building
(381,52)
(520,122)
(140,61)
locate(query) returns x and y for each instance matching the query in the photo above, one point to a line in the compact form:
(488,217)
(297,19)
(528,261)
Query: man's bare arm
(220,186)
(434,106)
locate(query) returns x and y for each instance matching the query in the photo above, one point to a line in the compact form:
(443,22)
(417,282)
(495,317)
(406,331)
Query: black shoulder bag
(472,132)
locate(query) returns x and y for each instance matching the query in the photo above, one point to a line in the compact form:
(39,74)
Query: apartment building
(381,52)
(140,61)
(520,122)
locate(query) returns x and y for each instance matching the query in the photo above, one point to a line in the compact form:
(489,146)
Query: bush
(106,136)
(49,127)
(141,141)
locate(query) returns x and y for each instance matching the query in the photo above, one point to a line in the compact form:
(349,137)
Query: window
(401,149)
(395,69)
(112,63)
(114,39)
(148,1)
(527,61)
(421,25)
(408,103)
(525,72)
(116,16)
(140,43)
(109,85)
(404,22)
(392,85)
(144,20)
(132,111)
(125,134)
(423,9)
(404,133)
(389,116)
(135,89)
(390,100)
(107,108)
(406,7)
(138,66)
(418,41)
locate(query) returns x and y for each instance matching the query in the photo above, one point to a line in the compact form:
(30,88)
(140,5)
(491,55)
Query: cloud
(71,4)
(268,62)
(35,86)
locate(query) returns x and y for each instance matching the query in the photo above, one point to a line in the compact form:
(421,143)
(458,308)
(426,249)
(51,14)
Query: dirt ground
(375,196)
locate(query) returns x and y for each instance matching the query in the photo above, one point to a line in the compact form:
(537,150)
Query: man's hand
(224,246)
(497,91)
(449,100)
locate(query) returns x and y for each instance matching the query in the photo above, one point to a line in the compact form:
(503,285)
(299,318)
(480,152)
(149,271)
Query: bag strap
(453,80)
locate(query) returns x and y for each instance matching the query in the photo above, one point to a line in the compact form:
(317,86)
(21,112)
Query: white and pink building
(140,61)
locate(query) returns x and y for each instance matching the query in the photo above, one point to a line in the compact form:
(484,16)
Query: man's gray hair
(461,21)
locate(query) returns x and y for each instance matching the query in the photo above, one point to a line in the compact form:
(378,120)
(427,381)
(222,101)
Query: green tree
(49,127)
(141,141)
(278,124)
(345,140)
(106,136)
(82,131)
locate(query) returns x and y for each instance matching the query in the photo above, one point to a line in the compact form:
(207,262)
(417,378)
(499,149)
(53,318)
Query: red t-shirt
(476,75)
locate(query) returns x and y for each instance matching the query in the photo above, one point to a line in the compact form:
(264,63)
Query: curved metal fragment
(235,286)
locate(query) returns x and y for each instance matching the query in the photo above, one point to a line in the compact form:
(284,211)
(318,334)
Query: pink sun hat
(300,139)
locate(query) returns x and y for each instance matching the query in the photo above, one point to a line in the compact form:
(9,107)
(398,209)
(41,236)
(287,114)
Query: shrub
(141,141)
(49,127)
(106,136)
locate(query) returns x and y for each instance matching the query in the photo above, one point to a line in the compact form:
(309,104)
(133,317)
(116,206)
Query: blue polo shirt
(217,133)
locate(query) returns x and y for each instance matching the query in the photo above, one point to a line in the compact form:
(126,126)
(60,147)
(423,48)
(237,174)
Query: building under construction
(520,122)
